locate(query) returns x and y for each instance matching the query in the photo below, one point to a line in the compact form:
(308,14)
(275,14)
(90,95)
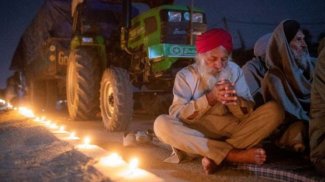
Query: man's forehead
(300,34)
(218,51)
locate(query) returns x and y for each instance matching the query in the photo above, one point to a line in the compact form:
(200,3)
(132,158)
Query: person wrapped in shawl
(288,81)
(317,112)
(255,69)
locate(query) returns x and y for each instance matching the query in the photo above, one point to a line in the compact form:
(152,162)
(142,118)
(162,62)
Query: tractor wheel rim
(109,99)
(72,91)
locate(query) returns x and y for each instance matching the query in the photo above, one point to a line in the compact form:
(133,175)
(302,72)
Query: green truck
(143,53)
(100,55)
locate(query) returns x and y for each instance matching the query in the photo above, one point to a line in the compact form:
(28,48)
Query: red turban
(213,38)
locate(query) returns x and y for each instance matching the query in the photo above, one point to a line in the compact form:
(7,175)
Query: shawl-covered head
(261,45)
(279,56)
(290,28)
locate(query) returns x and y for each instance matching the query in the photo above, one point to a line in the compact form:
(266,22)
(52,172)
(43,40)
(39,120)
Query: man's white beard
(208,75)
(302,59)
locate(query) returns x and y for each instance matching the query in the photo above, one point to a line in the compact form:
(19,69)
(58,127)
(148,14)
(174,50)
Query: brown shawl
(296,83)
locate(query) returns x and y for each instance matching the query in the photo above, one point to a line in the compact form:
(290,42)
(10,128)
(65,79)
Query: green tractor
(109,60)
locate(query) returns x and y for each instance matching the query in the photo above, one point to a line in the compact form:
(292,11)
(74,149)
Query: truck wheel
(83,82)
(116,99)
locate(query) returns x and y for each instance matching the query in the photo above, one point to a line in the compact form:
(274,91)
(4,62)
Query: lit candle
(62,129)
(26,112)
(48,123)
(73,136)
(9,105)
(86,143)
(112,160)
(37,119)
(53,126)
(133,164)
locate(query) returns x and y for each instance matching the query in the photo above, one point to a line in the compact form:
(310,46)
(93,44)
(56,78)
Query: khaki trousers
(214,136)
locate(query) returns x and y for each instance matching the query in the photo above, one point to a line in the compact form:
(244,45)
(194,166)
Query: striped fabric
(282,172)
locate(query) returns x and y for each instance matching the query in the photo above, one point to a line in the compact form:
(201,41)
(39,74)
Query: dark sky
(250,19)
(15,15)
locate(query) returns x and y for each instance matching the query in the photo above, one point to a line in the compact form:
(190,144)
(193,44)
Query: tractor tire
(116,99)
(83,83)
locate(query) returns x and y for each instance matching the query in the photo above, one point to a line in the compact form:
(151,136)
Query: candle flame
(53,126)
(73,134)
(86,140)
(113,160)
(26,112)
(62,128)
(9,105)
(134,163)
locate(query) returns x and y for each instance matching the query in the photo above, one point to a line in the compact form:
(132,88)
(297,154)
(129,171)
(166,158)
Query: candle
(73,136)
(61,129)
(113,160)
(133,164)
(26,112)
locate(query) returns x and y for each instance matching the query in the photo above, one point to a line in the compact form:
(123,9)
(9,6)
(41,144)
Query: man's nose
(218,64)
(304,44)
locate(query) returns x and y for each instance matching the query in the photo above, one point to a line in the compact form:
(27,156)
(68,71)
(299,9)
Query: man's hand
(223,92)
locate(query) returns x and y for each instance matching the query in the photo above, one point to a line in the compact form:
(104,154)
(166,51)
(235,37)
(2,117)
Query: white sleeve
(184,106)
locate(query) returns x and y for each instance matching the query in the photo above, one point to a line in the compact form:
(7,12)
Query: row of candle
(113,162)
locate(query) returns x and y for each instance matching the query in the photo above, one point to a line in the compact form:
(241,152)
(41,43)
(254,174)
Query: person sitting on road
(212,110)
(317,112)
(255,69)
(288,81)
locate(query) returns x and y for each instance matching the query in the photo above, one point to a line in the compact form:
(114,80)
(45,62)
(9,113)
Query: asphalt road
(151,155)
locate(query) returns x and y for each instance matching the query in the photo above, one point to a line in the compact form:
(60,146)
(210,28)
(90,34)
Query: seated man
(317,112)
(215,118)
(288,81)
(255,69)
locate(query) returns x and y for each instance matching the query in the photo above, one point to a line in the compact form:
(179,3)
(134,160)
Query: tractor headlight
(87,39)
(197,17)
(174,16)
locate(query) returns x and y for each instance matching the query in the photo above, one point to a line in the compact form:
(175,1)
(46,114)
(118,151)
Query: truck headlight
(174,16)
(87,39)
(197,18)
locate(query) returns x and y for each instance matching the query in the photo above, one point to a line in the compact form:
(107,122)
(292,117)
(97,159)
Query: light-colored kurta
(190,103)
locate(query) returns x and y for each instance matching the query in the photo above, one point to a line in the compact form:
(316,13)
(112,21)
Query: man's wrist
(211,99)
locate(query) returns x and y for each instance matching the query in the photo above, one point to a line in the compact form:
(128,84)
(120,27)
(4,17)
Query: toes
(260,159)
(260,156)
(209,167)
(260,151)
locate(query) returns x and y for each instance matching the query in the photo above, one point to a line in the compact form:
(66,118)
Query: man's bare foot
(249,156)
(209,167)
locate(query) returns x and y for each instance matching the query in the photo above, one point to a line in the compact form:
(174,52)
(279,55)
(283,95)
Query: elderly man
(212,111)
(288,81)
(255,69)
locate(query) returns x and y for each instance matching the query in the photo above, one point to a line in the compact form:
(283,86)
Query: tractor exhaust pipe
(126,16)
(126,22)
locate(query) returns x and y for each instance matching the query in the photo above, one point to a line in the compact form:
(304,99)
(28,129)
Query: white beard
(208,77)
(302,59)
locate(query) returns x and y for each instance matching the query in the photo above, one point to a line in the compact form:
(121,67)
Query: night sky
(15,16)
(250,19)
